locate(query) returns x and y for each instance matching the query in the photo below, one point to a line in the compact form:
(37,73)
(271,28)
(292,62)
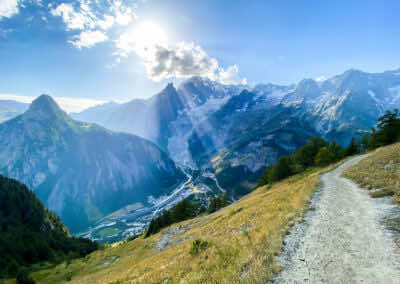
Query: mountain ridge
(81,170)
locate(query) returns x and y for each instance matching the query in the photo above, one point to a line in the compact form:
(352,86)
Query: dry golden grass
(380,171)
(242,242)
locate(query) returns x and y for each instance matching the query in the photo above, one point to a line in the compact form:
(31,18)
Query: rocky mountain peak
(308,88)
(170,87)
(45,107)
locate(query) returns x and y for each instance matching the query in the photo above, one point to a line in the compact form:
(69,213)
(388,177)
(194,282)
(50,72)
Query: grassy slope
(245,237)
(380,171)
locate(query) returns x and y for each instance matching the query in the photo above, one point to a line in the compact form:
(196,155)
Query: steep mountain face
(166,117)
(244,136)
(10,109)
(81,170)
(348,104)
(29,233)
(146,118)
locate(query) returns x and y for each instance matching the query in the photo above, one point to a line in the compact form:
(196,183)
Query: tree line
(320,153)
(182,211)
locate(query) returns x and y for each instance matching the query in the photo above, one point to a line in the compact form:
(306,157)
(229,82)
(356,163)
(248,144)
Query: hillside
(379,173)
(29,233)
(81,170)
(236,244)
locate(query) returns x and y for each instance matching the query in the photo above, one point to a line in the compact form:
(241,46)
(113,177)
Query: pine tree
(389,128)
(324,157)
(353,148)
(282,169)
(336,150)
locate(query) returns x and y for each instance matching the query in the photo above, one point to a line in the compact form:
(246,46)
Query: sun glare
(147,35)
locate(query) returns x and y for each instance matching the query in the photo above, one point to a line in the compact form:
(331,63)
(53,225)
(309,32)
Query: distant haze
(67,104)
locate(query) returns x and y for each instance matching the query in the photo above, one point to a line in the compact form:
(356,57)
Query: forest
(31,234)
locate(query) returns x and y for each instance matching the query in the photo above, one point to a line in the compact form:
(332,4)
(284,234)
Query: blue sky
(124,49)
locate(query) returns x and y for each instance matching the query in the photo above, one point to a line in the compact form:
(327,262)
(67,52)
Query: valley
(200,137)
(199,142)
(200,187)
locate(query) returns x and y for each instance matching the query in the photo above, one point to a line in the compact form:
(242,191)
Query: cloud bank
(67,104)
(8,8)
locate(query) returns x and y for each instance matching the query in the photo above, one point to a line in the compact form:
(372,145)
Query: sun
(147,35)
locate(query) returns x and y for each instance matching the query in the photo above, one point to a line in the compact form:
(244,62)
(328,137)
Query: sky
(86,52)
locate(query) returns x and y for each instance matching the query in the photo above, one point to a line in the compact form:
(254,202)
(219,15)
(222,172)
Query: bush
(23,277)
(132,237)
(324,157)
(198,246)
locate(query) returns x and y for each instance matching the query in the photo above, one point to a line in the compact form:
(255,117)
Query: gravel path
(342,240)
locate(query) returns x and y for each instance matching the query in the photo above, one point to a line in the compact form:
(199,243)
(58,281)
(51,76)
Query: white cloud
(8,8)
(106,23)
(72,18)
(230,76)
(88,38)
(89,18)
(320,79)
(123,15)
(67,104)
(181,60)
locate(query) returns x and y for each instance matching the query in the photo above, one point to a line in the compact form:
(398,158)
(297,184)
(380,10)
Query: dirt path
(342,239)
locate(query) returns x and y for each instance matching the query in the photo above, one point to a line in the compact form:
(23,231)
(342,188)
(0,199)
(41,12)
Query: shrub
(198,246)
(132,237)
(324,157)
(23,277)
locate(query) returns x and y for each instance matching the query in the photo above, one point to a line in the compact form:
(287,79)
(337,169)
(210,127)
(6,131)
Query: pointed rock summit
(45,107)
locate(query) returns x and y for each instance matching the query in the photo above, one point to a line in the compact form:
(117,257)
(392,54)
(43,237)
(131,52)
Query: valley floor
(343,239)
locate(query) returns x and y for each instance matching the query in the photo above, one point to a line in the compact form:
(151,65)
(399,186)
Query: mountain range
(238,130)
(81,170)
(84,171)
